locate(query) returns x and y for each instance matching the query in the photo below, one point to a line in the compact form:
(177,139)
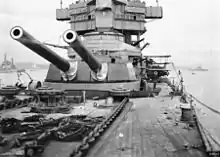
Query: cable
(203,104)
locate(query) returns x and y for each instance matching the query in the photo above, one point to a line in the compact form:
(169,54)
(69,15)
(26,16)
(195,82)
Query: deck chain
(93,136)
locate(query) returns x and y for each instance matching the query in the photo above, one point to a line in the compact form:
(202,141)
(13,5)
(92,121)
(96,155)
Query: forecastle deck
(152,128)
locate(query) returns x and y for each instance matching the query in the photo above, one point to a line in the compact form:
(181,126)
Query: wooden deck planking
(108,143)
(147,131)
(167,131)
(185,134)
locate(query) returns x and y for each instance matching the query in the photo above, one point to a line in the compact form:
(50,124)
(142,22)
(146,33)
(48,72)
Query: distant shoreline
(29,65)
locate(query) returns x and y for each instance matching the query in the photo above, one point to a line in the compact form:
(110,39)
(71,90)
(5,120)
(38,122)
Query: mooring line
(203,104)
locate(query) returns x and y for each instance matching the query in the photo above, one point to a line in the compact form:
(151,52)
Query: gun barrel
(73,40)
(19,34)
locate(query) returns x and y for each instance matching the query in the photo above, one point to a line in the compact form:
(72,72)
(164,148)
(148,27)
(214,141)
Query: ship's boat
(116,101)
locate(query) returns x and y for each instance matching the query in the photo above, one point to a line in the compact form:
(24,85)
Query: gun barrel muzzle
(73,40)
(19,34)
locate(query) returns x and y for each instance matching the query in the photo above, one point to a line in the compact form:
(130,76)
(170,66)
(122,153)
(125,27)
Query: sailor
(155,80)
(181,85)
(155,84)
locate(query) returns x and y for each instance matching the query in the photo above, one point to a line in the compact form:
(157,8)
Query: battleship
(106,99)
(7,66)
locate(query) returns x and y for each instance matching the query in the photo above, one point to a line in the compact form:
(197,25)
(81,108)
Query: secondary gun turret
(68,68)
(99,70)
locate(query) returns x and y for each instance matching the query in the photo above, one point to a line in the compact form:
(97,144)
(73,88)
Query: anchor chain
(89,141)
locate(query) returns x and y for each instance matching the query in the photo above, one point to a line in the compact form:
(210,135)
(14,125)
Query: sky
(189,30)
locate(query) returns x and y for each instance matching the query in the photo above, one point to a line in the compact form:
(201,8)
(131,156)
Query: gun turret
(99,69)
(19,34)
